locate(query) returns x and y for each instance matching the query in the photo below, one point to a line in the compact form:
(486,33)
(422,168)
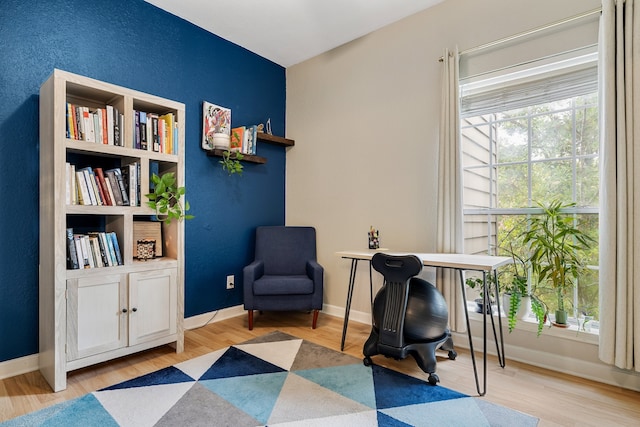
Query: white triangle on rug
(195,368)
(141,406)
(359,419)
(453,412)
(279,353)
(301,399)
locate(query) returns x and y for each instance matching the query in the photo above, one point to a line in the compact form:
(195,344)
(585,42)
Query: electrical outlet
(230,282)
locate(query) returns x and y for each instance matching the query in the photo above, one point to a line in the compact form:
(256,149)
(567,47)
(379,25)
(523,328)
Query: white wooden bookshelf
(88,316)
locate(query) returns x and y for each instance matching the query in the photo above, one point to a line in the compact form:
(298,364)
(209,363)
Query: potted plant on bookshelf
(166,198)
(555,245)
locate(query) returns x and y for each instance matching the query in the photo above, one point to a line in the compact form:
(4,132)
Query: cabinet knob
(134,309)
(124,310)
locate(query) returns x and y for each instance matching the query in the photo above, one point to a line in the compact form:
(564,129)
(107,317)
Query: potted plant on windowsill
(476,283)
(555,243)
(518,299)
(166,198)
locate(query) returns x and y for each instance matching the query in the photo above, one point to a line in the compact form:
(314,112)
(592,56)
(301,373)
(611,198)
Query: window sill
(571,333)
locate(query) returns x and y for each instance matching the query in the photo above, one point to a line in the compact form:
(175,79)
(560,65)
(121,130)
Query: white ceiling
(290,31)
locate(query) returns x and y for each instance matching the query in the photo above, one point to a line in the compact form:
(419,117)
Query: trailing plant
(231,162)
(166,197)
(513,280)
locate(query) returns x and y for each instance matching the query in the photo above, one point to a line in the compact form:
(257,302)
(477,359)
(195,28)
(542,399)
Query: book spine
(108,201)
(84,190)
(116,247)
(123,188)
(72,254)
(110,125)
(143,131)
(83,261)
(114,187)
(107,252)
(136,129)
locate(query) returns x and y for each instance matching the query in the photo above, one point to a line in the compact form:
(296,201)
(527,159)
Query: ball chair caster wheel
(367,361)
(452,355)
(433,379)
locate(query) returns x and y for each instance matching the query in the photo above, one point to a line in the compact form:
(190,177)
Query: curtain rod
(530,32)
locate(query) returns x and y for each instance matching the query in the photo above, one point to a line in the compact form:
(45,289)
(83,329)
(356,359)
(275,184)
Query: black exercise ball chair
(410,315)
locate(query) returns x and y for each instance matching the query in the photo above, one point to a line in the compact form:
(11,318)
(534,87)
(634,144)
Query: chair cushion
(283,285)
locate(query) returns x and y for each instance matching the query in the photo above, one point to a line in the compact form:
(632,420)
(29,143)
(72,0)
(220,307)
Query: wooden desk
(460,262)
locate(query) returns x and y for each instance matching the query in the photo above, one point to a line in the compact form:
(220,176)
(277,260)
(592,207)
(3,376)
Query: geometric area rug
(275,380)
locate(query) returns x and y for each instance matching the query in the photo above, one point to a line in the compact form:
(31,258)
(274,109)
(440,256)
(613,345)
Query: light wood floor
(557,399)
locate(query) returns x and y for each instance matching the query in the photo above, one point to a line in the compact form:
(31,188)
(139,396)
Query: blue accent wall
(136,45)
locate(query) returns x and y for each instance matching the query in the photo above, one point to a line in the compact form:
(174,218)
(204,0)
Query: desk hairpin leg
(352,279)
(499,344)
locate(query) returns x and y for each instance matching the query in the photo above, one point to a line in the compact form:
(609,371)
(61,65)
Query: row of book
(243,139)
(98,187)
(92,250)
(151,131)
(155,132)
(101,125)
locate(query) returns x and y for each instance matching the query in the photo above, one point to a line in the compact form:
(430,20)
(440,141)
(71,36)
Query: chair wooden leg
(250,312)
(315,319)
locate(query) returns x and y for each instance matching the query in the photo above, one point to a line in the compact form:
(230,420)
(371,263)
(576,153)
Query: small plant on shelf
(166,197)
(231,162)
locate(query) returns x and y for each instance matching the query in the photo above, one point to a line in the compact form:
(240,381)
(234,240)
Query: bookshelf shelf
(87,311)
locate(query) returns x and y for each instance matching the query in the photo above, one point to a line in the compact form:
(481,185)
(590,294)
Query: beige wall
(365,120)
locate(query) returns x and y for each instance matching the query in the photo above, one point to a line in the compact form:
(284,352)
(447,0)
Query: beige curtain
(620,184)
(449,238)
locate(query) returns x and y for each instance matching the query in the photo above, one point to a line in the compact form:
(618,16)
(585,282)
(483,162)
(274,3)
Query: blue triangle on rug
(276,380)
(170,375)
(395,389)
(236,363)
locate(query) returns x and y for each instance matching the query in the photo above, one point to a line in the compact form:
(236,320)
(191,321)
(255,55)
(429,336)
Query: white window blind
(537,85)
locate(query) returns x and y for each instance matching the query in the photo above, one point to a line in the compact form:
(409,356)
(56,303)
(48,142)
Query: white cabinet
(114,306)
(152,305)
(113,312)
(96,315)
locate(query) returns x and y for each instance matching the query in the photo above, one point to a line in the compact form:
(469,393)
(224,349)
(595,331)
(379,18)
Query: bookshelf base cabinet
(112,315)
(96,300)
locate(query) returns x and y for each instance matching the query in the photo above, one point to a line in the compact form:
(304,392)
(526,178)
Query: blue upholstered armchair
(285,275)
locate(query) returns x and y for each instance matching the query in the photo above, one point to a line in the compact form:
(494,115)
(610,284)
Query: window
(527,139)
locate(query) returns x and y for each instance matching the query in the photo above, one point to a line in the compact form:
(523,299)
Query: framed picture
(148,230)
(215,120)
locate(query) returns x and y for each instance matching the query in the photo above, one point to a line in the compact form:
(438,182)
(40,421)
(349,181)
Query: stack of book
(98,187)
(92,250)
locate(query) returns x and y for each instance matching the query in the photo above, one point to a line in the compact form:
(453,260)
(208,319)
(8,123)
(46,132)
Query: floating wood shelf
(262,137)
(245,157)
(277,140)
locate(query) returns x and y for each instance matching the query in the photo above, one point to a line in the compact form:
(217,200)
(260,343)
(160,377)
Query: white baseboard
(200,320)
(18,366)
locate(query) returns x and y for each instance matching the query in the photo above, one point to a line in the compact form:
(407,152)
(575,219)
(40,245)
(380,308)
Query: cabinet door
(153,299)
(96,315)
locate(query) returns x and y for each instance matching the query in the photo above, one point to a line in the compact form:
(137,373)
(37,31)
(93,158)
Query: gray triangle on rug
(276,380)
